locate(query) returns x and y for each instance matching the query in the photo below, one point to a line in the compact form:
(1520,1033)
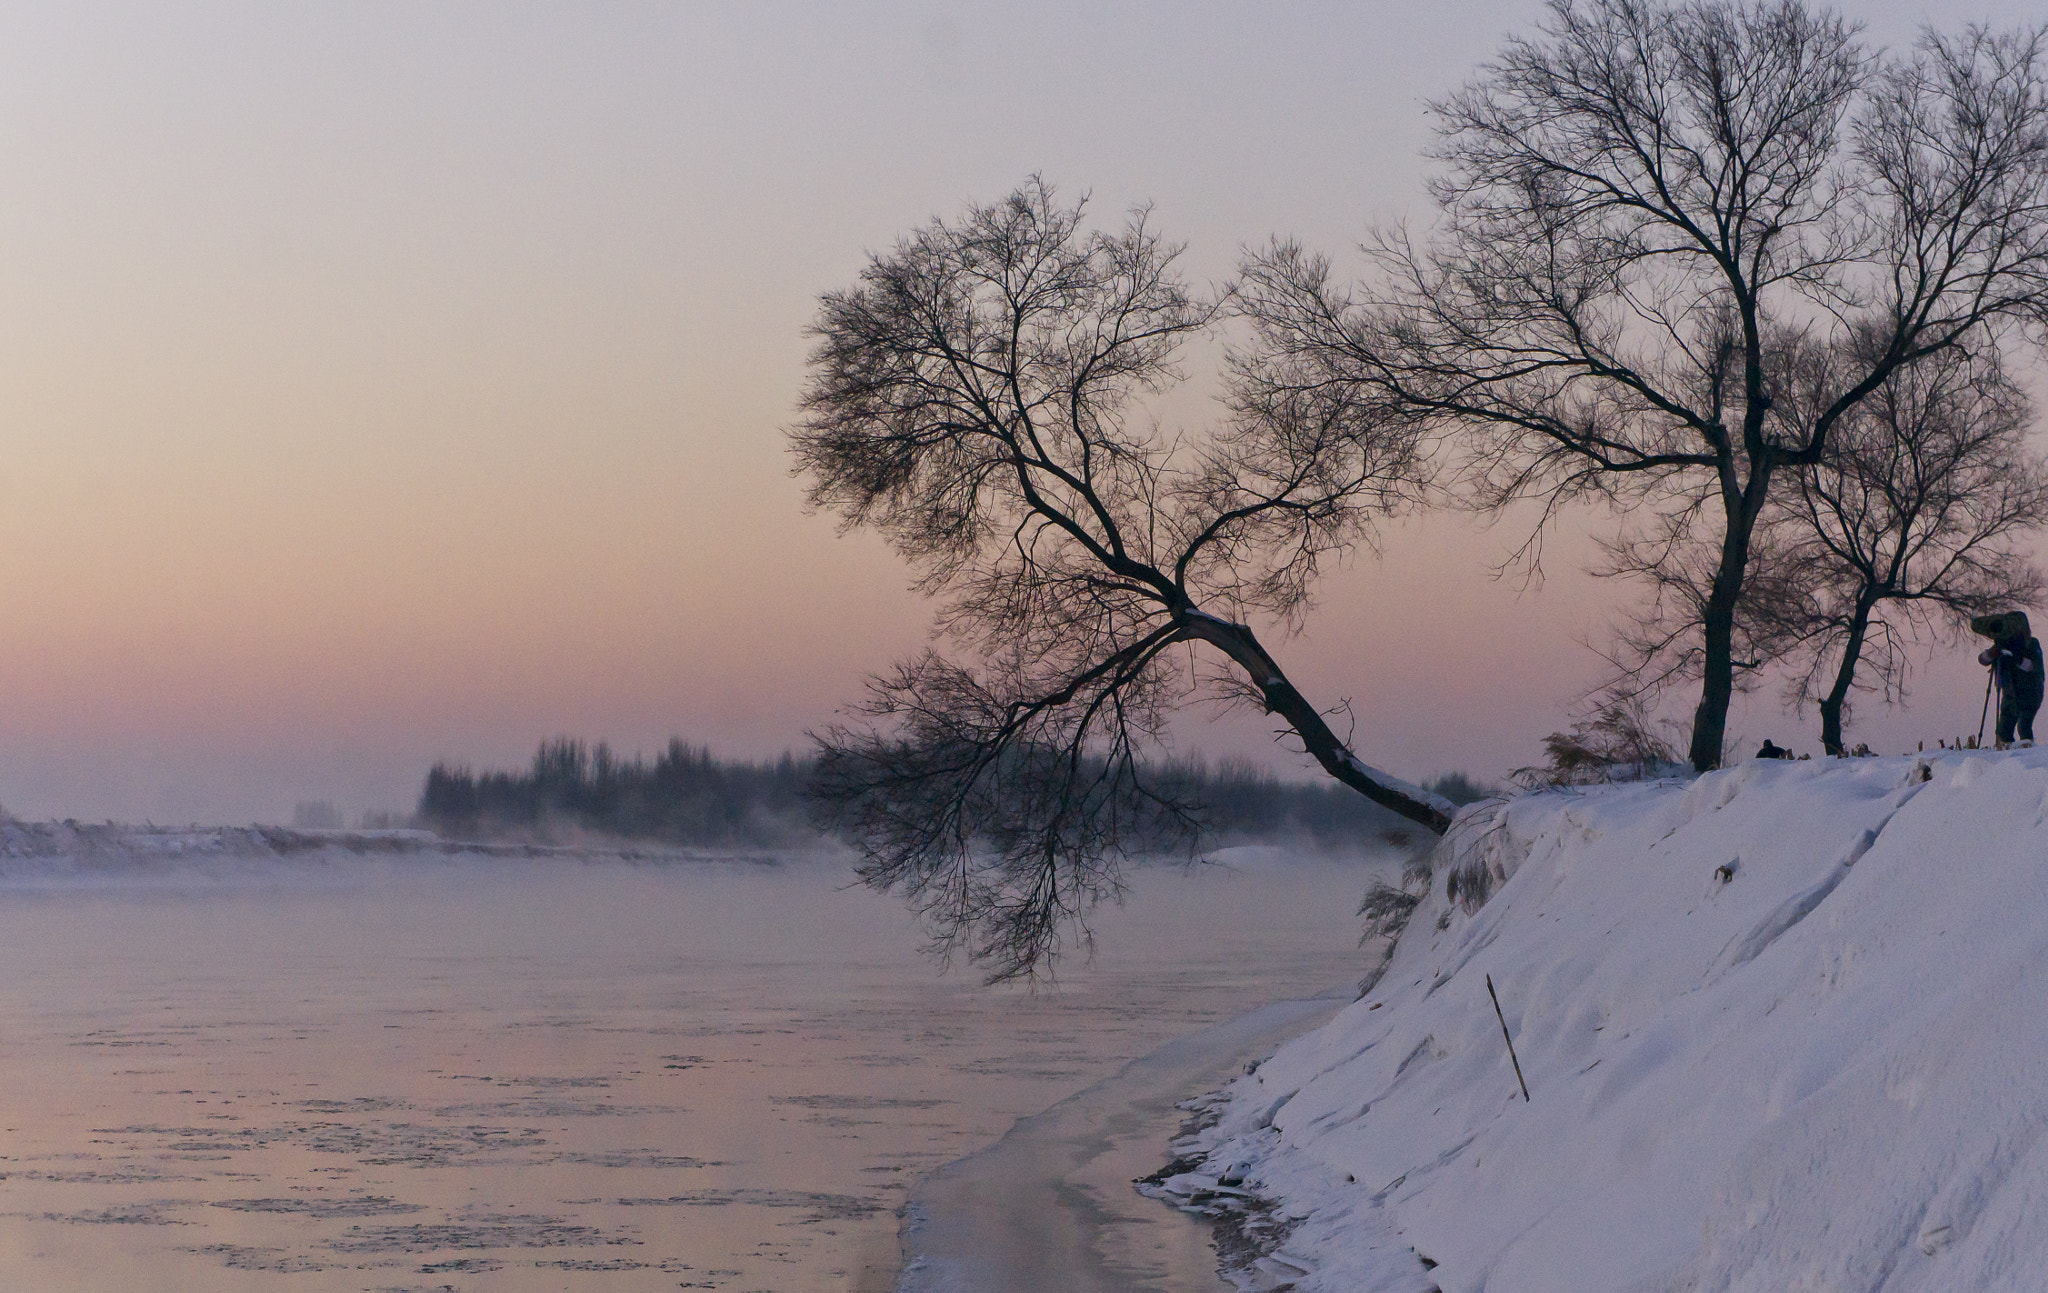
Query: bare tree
(1903,529)
(1633,204)
(1657,642)
(977,399)
(1912,510)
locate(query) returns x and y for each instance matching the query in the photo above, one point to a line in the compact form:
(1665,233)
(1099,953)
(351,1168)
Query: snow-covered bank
(1783,1027)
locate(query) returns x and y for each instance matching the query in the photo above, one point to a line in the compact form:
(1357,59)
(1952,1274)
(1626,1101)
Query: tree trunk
(1717,682)
(1281,698)
(1717,688)
(1831,704)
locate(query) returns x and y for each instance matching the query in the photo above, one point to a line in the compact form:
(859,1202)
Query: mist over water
(475,1074)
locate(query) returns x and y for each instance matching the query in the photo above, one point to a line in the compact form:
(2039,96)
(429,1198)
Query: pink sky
(391,383)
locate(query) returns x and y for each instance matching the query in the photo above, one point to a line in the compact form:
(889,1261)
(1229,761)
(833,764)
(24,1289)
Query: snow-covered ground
(1785,1027)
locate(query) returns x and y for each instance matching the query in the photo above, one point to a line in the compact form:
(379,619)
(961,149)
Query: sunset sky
(385,383)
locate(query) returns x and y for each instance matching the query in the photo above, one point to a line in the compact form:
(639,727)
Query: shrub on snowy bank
(1780,1025)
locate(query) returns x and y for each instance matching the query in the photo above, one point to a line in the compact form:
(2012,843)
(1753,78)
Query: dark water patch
(361,1104)
(463,1265)
(410,1145)
(154,1213)
(554,1109)
(863,1102)
(323,1209)
(1059,1073)
(577,1083)
(118,1176)
(634,1158)
(820,1207)
(154,1129)
(491,1230)
(550,1083)
(593,1264)
(274,1261)
(375,1144)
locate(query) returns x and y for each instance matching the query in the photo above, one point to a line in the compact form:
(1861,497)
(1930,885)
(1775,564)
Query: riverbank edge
(1012,1216)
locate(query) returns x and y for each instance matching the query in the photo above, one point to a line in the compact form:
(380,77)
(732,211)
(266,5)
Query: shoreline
(1053,1205)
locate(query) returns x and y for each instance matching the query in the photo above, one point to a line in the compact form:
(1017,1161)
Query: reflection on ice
(383,1071)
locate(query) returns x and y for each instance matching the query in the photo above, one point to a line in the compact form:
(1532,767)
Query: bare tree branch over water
(978,399)
(1643,210)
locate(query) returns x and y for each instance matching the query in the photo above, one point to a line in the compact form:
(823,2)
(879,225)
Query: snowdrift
(1785,1028)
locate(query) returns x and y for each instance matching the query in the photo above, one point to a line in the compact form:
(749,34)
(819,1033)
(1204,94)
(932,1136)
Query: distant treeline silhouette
(685,796)
(688,796)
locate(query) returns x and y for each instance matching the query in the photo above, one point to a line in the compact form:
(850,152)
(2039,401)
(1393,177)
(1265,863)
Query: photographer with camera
(2015,659)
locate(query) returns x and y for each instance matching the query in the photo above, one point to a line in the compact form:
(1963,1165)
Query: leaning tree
(981,398)
(1632,204)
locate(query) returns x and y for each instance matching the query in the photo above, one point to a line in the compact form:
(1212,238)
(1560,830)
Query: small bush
(1618,741)
(1386,909)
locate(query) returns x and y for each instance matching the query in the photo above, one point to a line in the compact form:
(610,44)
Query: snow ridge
(1782,1025)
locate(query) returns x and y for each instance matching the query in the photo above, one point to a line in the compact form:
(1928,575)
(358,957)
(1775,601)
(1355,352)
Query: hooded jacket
(2020,674)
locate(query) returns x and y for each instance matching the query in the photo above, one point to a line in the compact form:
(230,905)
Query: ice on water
(374,1066)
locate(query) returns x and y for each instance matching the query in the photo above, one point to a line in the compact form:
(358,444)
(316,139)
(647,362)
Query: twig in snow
(1504,1036)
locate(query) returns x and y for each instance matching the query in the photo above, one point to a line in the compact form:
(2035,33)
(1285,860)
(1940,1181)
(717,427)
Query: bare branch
(1647,211)
(975,400)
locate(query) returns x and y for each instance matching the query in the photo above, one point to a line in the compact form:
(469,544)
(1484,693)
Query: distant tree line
(685,795)
(688,796)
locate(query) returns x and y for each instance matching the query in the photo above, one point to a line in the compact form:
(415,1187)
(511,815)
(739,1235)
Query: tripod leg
(1987,705)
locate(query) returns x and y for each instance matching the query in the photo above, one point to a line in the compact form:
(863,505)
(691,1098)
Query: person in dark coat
(2016,660)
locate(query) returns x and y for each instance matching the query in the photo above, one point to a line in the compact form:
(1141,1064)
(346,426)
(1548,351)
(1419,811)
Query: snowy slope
(1829,1071)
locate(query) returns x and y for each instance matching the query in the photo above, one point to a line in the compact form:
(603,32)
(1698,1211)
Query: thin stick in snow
(1504,1036)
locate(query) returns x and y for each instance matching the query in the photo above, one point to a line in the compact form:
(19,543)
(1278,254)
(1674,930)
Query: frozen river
(479,1074)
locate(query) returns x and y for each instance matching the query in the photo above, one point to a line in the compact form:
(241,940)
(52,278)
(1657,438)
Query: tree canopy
(1643,212)
(980,399)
